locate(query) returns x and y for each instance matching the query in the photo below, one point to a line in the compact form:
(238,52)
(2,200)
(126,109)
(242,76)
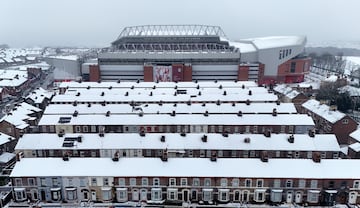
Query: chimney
(243,86)
(218,102)
(311,133)
(204,138)
(206,113)
(164,156)
(274,112)
(78,94)
(213,156)
(142,133)
(225,134)
(267,133)
(110,87)
(76,113)
(107,113)
(116,157)
(162,138)
(291,139)
(220,87)
(264,156)
(224,92)
(102,93)
(316,157)
(239,113)
(151,93)
(278,102)
(126,93)
(247,102)
(250,93)
(173,113)
(247,139)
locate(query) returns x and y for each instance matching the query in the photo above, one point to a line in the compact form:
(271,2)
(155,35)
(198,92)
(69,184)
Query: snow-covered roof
(355,147)
(180,108)
(244,47)
(19,114)
(5,157)
(69,57)
(182,119)
(123,84)
(191,141)
(353,91)
(277,41)
(38,95)
(356,135)
(188,167)
(286,91)
(331,78)
(12,77)
(323,111)
(4,138)
(166,94)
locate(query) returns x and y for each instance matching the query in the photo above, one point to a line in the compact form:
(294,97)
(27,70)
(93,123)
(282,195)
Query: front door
(135,195)
(185,195)
(352,197)
(43,195)
(93,195)
(298,197)
(289,197)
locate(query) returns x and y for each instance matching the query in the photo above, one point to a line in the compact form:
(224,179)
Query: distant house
(39,98)
(20,120)
(328,120)
(289,95)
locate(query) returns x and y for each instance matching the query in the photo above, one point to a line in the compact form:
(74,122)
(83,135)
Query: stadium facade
(199,52)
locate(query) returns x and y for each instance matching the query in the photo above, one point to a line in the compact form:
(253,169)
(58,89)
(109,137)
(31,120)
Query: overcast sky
(26,23)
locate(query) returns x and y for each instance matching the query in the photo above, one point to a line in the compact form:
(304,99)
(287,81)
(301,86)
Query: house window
(54,181)
(121,194)
(356,184)
(183,181)
(207,194)
(331,184)
(259,183)
(313,196)
(122,182)
(282,129)
(292,67)
(172,182)
(196,182)
(31,182)
(277,183)
(156,194)
(56,194)
(302,183)
(289,183)
(82,182)
(18,182)
(323,155)
(85,129)
(223,182)
(71,194)
(296,154)
(106,194)
(70,181)
(309,155)
(105,181)
(144,181)
(207,182)
(132,181)
(77,129)
(42,182)
(335,155)
(93,182)
(52,129)
(345,121)
(291,129)
(248,183)
(235,182)
(93,128)
(156,182)
(224,195)
(259,195)
(172,194)
(255,129)
(247,129)
(20,194)
(277,154)
(313,184)
(252,153)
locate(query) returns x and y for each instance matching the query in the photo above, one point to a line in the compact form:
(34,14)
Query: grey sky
(26,23)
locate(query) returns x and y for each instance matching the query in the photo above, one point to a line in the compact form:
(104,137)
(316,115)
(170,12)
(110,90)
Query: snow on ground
(352,63)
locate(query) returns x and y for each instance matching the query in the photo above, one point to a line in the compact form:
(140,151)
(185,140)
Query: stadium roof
(171,30)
